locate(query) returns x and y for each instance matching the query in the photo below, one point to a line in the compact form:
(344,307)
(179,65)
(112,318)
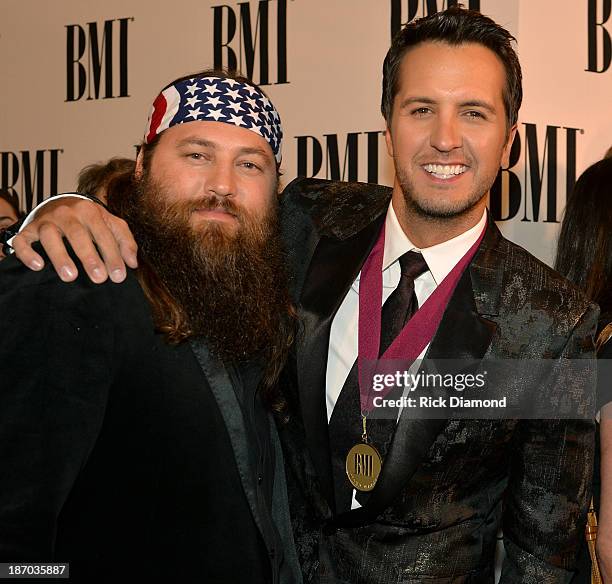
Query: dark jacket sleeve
(56,346)
(550,479)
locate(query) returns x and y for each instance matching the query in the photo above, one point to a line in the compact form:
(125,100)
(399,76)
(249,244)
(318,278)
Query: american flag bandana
(216,99)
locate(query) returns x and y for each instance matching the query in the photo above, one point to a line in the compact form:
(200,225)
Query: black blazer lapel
(464,333)
(223,392)
(332,270)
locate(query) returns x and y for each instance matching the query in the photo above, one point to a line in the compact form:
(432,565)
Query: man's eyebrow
(479,103)
(410,100)
(194,140)
(254,150)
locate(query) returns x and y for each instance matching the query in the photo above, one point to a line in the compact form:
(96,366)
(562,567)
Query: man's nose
(220,180)
(446,134)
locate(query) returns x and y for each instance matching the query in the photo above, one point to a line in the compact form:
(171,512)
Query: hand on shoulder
(83,223)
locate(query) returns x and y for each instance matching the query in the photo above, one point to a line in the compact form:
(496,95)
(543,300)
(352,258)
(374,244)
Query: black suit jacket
(435,512)
(120,454)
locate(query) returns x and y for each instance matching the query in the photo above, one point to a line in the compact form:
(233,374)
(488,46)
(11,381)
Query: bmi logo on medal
(363,466)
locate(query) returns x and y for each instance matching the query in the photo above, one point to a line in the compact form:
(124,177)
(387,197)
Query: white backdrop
(323,73)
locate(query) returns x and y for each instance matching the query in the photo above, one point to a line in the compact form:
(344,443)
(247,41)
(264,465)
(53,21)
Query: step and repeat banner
(78,78)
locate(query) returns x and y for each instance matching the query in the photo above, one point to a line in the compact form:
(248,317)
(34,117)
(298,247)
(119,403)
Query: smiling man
(417,271)
(420,271)
(135,419)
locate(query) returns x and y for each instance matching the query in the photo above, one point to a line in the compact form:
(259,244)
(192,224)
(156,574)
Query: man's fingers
(51,238)
(22,244)
(80,238)
(85,225)
(127,244)
(109,248)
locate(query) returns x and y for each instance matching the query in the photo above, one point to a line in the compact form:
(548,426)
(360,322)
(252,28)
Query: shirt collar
(441,258)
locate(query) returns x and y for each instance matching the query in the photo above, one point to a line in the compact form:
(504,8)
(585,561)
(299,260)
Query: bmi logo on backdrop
(95,51)
(252,37)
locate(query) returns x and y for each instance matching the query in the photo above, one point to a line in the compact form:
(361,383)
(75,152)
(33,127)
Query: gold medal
(363,462)
(363,466)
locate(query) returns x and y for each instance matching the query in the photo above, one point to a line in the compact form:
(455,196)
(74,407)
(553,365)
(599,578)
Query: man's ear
(139,166)
(505,160)
(389,142)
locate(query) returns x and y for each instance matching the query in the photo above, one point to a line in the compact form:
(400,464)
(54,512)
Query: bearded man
(135,418)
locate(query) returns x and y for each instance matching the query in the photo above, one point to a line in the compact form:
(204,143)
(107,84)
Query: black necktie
(402,303)
(345,426)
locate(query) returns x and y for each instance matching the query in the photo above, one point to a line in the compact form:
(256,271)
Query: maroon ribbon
(418,331)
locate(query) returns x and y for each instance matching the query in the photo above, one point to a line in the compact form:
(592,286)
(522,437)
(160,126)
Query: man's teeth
(445,170)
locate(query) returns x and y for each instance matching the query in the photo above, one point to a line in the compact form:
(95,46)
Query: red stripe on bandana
(159,109)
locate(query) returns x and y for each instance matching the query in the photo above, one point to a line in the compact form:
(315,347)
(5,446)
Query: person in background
(9,212)
(584,256)
(97,179)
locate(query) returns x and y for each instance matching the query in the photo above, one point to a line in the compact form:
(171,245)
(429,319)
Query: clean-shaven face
(448,134)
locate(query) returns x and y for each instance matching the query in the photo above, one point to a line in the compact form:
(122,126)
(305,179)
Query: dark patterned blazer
(448,485)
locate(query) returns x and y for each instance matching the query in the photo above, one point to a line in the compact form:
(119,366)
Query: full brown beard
(228,282)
